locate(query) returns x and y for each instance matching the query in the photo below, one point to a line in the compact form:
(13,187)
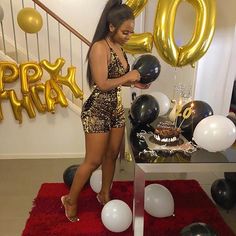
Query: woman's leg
(109,162)
(96,145)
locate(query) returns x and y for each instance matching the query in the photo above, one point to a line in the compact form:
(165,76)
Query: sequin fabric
(103,110)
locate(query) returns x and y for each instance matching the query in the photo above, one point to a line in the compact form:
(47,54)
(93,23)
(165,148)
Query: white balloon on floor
(163,101)
(215,133)
(116,216)
(158,201)
(96,181)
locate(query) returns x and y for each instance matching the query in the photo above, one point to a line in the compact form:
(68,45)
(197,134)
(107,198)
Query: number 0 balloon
(202,34)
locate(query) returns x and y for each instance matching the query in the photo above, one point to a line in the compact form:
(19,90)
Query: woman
(103,114)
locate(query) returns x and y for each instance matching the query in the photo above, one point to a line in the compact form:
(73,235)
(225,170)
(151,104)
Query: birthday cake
(167,134)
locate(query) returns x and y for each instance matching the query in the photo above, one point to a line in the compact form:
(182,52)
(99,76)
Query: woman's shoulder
(99,45)
(99,49)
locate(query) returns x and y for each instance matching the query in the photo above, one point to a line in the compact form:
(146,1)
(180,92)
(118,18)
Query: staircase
(56,39)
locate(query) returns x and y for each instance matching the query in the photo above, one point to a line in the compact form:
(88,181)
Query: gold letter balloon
(138,43)
(201,37)
(30,74)
(29,20)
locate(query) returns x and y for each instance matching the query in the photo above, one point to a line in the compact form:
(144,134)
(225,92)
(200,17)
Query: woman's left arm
(137,85)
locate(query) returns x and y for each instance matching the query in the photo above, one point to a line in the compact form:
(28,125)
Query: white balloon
(1,13)
(163,101)
(116,216)
(215,133)
(158,201)
(96,181)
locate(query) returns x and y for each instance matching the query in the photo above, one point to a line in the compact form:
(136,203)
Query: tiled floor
(20,181)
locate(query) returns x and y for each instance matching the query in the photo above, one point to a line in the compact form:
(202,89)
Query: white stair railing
(56,39)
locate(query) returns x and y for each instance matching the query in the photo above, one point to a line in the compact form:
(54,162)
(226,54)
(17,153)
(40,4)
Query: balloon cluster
(30,74)
(164,30)
(144,110)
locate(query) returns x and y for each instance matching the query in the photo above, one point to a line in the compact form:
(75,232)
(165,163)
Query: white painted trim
(4,57)
(29,156)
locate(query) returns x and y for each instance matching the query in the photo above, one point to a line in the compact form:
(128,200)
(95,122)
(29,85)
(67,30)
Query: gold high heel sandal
(66,203)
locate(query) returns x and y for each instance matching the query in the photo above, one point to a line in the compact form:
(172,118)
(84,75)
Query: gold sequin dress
(103,110)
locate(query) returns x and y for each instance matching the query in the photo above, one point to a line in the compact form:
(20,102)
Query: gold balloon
(27,77)
(54,95)
(29,20)
(139,43)
(27,104)
(203,32)
(3,95)
(53,68)
(5,76)
(34,92)
(201,38)
(17,105)
(69,80)
(136,5)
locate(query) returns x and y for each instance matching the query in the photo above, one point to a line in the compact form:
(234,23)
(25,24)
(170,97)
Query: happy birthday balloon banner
(30,74)
(163,35)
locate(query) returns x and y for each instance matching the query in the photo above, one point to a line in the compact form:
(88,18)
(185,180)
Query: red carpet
(191,205)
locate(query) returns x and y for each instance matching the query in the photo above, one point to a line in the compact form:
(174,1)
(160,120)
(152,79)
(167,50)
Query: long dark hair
(114,13)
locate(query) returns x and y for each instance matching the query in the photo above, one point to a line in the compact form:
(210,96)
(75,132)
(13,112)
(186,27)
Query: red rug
(191,205)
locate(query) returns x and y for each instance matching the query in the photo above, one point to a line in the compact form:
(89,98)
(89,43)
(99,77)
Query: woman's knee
(92,165)
(112,154)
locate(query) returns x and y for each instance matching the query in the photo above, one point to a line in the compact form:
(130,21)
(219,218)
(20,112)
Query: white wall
(216,70)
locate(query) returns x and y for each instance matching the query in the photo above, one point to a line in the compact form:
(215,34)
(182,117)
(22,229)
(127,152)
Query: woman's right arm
(98,60)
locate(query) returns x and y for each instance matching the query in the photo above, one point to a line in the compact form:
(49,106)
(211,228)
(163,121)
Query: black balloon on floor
(198,229)
(230,176)
(69,174)
(149,68)
(144,109)
(223,193)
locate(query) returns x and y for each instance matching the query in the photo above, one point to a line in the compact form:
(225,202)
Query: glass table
(145,162)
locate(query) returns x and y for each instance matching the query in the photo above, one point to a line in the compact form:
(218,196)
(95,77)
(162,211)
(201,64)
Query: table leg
(138,201)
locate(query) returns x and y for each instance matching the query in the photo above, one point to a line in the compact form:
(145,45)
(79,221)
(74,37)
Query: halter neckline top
(115,67)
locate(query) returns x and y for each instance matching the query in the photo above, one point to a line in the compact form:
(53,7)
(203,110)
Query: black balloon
(198,229)
(232,118)
(200,110)
(138,143)
(69,174)
(144,109)
(149,68)
(230,176)
(223,193)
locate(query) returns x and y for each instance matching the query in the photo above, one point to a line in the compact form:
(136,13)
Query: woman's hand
(133,76)
(141,86)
